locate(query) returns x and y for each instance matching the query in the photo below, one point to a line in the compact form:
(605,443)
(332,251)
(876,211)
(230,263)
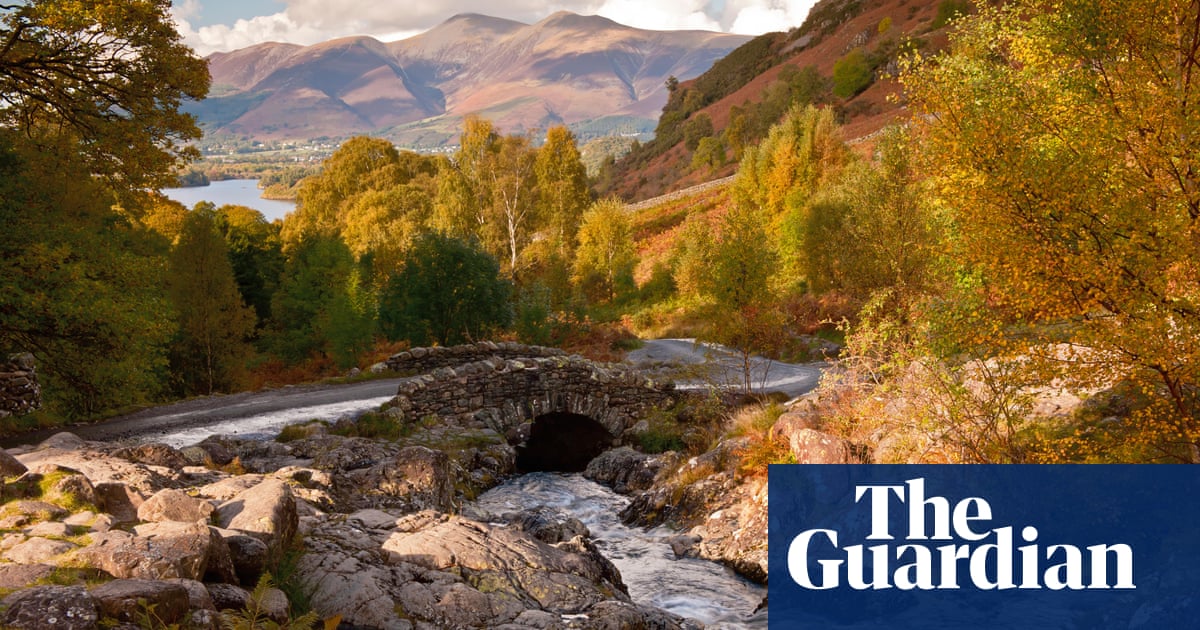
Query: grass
(754,423)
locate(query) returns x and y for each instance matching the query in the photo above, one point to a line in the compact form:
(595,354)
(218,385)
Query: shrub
(852,74)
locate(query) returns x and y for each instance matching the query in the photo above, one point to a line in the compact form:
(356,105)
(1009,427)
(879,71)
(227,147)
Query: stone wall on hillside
(19,390)
(421,360)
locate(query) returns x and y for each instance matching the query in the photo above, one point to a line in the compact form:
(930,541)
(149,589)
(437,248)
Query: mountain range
(588,72)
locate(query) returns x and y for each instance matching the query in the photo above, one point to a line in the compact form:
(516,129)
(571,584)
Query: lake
(240,192)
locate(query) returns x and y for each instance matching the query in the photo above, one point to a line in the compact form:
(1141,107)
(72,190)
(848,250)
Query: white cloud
(660,15)
(754,17)
(312,21)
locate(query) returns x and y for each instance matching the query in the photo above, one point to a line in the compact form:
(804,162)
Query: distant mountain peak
(565,69)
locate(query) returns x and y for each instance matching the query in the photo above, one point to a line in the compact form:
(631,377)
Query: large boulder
(154,454)
(417,478)
(624,469)
(50,608)
(507,561)
(814,447)
(10,466)
(154,551)
(267,511)
(174,505)
(125,600)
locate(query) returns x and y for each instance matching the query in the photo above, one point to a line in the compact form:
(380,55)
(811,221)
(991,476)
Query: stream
(689,587)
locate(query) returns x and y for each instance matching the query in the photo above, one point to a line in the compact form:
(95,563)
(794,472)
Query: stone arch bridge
(546,403)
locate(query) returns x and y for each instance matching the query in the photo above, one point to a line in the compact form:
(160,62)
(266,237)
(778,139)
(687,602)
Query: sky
(223,25)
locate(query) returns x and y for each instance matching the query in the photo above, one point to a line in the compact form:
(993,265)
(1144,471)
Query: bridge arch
(563,395)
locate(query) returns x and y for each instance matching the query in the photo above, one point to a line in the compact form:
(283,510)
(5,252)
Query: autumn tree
(463,195)
(1064,136)
(448,291)
(876,227)
(111,73)
(606,257)
(90,118)
(800,155)
(742,263)
(211,346)
(357,166)
(562,188)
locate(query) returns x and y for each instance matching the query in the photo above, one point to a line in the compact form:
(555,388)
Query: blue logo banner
(982,547)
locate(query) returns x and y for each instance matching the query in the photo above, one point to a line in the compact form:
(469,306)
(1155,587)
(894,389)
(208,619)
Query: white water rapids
(689,587)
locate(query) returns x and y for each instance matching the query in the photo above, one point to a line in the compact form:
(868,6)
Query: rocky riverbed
(370,532)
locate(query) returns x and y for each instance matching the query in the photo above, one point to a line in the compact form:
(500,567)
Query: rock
(418,478)
(37,551)
(228,596)
(10,466)
(683,545)
(813,447)
(547,525)
(267,511)
(63,486)
(274,604)
(51,530)
(198,597)
(15,576)
(374,519)
(155,551)
(50,608)
(62,441)
(338,454)
(507,561)
(125,600)
(40,510)
(154,454)
(174,505)
(119,500)
(624,469)
(228,488)
(215,451)
(250,555)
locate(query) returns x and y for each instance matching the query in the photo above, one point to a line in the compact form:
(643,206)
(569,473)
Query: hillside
(757,82)
(584,71)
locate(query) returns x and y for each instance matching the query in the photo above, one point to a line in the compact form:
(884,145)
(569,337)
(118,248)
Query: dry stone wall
(504,394)
(420,360)
(19,390)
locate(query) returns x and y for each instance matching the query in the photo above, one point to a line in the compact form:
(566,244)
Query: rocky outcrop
(435,569)
(379,548)
(624,469)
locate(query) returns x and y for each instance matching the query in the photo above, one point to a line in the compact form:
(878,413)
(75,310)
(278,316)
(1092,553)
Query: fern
(254,615)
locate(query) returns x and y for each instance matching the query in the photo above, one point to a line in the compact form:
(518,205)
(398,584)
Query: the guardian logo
(948,546)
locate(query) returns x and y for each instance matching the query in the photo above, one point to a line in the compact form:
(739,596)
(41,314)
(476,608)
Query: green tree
(606,256)
(320,307)
(697,128)
(447,292)
(562,187)
(80,286)
(90,97)
(742,263)
(211,346)
(256,253)
(876,228)
(852,74)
